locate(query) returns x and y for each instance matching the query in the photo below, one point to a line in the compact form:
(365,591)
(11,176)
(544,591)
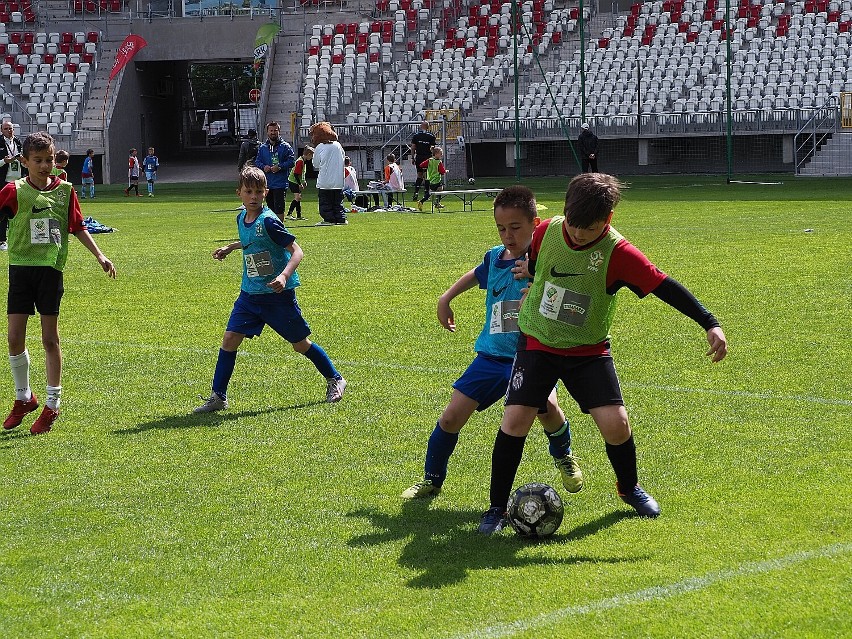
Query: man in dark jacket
(10,168)
(588,143)
(248,151)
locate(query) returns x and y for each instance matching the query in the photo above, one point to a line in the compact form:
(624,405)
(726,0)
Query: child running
(42,211)
(268,292)
(435,171)
(578,263)
(298,182)
(486,379)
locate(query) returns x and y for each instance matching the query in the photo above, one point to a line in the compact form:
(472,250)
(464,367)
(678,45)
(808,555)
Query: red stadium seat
(65,48)
(326,40)
(20,69)
(67,37)
(10,59)
(48,58)
(71,67)
(92,36)
(29,37)
(411,46)
(313,50)
(77,47)
(374,57)
(16,37)
(340,28)
(27,48)
(29,16)
(337,58)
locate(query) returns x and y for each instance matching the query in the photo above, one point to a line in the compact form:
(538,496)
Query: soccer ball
(535,510)
(471,181)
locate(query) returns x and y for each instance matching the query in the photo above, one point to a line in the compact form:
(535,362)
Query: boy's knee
(302,346)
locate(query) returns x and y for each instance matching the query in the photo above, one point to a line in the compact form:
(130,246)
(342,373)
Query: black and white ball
(471,181)
(535,510)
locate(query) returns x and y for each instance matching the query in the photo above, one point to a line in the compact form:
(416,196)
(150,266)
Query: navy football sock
(441,446)
(224,369)
(319,358)
(505,459)
(560,441)
(623,460)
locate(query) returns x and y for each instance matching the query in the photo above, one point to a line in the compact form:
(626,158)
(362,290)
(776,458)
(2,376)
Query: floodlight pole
(582,22)
(517,99)
(729,136)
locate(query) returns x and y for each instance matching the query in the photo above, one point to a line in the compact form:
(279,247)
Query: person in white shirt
(11,168)
(329,163)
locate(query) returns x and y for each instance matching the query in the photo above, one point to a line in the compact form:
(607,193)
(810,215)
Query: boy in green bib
(578,263)
(42,210)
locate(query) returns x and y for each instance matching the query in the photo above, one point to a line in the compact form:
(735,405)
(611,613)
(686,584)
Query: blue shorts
(151,176)
(485,381)
(279,311)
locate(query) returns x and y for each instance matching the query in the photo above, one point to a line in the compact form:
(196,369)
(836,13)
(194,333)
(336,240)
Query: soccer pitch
(281,516)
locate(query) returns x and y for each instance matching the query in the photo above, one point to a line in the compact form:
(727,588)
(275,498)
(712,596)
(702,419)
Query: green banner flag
(265,35)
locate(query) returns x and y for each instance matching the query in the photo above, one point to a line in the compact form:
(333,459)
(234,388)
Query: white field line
(214,348)
(655,593)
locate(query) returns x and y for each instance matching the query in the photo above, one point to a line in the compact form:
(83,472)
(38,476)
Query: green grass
(281,517)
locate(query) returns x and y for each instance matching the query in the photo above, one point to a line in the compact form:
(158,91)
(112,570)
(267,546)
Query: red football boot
(19,411)
(44,421)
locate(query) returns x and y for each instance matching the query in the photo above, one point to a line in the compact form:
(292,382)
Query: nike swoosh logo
(44,208)
(496,291)
(556,273)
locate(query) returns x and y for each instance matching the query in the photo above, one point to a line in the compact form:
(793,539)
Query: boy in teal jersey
(486,379)
(267,294)
(435,171)
(42,211)
(578,263)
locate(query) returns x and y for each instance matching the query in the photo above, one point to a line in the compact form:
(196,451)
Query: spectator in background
(329,163)
(11,169)
(421,150)
(132,174)
(588,143)
(87,175)
(275,158)
(248,151)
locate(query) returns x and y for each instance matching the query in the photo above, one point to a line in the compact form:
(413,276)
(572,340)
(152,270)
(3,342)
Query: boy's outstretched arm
(222,252)
(678,296)
(87,241)
(445,313)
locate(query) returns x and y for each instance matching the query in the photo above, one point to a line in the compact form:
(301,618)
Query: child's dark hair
(34,142)
(590,198)
(346,161)
(252,177)
(518,197)
(391,158)
(61,156)
(132,151)
(90,151)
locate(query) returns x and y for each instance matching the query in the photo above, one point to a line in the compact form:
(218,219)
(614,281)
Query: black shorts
(34,287)
(417,163)
(591,380)
(294,188)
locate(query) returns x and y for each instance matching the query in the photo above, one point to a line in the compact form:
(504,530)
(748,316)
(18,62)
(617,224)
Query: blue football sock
(560,441)
(224,369)
(319,358)
(441,446)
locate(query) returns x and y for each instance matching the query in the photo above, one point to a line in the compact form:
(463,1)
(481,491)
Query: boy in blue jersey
(87,175)
(150,165)
(579,263)
(267,295)
(486,379)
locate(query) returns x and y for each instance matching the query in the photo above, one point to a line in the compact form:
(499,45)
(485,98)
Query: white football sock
(21,374)
(53,397)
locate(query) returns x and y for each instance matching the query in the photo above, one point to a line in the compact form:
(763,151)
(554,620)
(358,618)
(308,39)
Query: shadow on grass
(205,420)
(444,545)
(9,437)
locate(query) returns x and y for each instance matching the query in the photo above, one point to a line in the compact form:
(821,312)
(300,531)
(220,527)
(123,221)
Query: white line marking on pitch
(447,371)
(654,593)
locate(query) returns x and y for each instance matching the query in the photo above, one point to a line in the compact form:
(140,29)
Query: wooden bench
(466,196)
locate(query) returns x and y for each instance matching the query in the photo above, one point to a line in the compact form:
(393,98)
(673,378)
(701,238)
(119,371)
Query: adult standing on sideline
(10,169)
(421,150)
(588,143)
(329,162)
(248,151)
(275,158)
